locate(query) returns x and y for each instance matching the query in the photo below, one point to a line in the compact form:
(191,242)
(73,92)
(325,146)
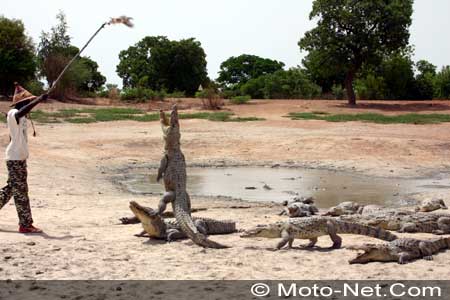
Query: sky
(225,28)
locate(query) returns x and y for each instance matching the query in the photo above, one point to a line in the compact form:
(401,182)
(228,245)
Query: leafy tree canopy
(55,51)
(158,63)
(236,71)
(17,60)
(442,83)
(351,33)
(290,84)
(95,77)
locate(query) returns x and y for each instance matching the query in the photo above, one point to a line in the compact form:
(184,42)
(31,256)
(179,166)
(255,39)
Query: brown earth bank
(78,206)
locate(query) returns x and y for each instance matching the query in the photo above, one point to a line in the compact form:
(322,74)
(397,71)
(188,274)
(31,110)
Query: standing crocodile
(313,227)
(159,228)
(401,250)
(173,171)
(404,221)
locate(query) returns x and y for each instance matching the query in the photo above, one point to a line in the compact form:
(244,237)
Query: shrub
(291,84)
(210,99)
(442,83)
(338,91)
(254,87)
(141,95)
(370,87)
(176,94)
(240,99)
(229,93)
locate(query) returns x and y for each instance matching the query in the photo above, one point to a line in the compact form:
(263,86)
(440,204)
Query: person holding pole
(17,150)
(17,155)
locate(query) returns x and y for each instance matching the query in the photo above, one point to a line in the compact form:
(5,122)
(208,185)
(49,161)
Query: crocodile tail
(356,228)
(220,227)
(440,244)
(186,224)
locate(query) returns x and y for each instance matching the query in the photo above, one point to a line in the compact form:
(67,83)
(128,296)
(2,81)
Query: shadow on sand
(44,235)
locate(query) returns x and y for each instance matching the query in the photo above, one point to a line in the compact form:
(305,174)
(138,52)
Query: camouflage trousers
(18,187)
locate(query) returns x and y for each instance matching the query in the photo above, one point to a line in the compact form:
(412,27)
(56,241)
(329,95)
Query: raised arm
(27,108)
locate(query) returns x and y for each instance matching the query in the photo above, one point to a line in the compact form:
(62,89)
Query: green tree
(55,51)
(325,76)
(290,84)
(424,67)
(397,71)
(158,63)
(17,60)
(236,71)
(393,79)
(95,77)
(442,83)
(424,86)
(353,33)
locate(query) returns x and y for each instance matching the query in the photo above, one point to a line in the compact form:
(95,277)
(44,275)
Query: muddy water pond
(278,184)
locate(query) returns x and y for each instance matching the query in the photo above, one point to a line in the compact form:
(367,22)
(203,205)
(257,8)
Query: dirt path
(78,206)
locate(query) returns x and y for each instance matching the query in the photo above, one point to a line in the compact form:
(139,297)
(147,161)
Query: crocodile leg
(142,234)
(201,226)
(426,251)
(286,238)
(403,258)
(312,243)
(167,198)
(332,231)
(175,234)
(162,167)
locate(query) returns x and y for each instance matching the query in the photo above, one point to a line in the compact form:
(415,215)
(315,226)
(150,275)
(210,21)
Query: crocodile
(401,250)
(313,227)
(167,214)
(299,207)
(159,228)
(352,208)
(404,221)
(431,205)
(173,172)
(299,210)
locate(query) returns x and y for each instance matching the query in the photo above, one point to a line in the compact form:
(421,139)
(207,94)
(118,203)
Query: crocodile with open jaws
(173,171)
(404,221)
(159,228)
(401,250)
(313,227)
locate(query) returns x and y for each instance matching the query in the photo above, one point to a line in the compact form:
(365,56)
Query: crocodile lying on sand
(404,221)
(431,205)
(313,227)
(401,250)
(173,172)
(352,208)
(158,228)
(166,214)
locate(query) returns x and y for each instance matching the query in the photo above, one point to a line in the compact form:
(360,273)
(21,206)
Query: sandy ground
(77,204)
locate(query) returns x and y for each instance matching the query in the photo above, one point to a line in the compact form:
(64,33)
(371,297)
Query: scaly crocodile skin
(174,175)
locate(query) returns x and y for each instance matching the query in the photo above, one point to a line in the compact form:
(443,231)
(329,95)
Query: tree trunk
(349,87)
